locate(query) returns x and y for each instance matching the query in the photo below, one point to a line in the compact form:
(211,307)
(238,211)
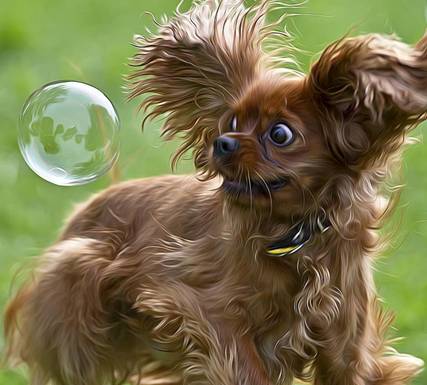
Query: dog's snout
(225,146)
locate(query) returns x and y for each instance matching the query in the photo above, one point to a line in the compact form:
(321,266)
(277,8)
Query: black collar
(297,237)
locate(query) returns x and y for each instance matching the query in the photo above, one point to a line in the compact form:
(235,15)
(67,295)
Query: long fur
(166,280)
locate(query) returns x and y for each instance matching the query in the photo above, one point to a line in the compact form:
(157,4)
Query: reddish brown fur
(166,280)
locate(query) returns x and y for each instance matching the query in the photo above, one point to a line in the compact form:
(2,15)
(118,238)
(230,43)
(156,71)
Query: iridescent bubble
(69,133)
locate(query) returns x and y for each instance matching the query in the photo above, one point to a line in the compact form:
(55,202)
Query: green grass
(46,40)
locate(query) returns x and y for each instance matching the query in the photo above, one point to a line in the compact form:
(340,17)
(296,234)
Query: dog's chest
(277,334)
(269,312)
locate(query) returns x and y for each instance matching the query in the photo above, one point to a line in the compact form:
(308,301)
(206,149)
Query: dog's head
(275,136)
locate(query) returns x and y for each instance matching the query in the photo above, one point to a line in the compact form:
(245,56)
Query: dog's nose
(225,146)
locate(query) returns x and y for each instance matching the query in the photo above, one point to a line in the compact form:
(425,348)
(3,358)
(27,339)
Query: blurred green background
(46,40)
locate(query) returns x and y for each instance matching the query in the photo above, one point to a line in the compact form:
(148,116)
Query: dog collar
(298,237)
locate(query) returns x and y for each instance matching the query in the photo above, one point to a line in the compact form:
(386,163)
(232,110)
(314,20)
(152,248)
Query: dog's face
(279,140)
(270,149)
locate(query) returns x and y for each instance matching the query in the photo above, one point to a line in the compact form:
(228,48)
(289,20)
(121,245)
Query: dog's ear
(370,91)
(197,66)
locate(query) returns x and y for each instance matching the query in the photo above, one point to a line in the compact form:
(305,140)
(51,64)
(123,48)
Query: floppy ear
(370,91)
(196,66)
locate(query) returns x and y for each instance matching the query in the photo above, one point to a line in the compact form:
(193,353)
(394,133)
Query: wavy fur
(166,280)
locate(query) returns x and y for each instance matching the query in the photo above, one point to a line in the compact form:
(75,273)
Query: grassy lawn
(46,40)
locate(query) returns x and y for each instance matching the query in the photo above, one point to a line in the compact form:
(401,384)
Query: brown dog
(259,268)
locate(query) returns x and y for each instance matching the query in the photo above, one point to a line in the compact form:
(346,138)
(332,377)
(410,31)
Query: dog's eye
(281,134)
(233,123)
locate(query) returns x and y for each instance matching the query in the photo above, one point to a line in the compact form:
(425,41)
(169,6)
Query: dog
(258,269)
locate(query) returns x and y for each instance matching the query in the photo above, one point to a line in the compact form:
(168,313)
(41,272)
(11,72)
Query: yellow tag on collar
(282,250)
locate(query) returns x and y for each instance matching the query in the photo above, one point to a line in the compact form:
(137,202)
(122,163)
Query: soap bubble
(69,133)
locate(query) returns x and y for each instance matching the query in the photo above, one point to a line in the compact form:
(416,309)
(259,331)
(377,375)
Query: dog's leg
(62,324)
(355,351)
(214,350)
(76,325)
(356,364)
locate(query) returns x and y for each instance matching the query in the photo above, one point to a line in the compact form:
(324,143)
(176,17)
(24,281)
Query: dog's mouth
(254,187)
